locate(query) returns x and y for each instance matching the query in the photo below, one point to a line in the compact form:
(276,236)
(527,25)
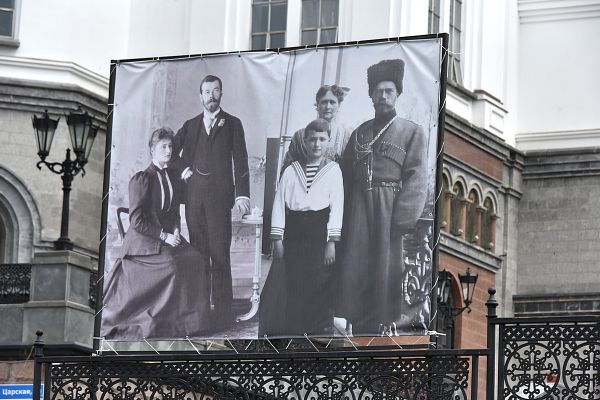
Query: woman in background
(328,101)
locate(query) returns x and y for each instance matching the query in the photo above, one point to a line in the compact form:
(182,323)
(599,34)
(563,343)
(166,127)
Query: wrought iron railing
(388,374)
(538,358)
(14,283)
(548,358)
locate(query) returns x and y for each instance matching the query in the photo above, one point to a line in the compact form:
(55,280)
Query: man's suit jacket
(227,143)
(146,219)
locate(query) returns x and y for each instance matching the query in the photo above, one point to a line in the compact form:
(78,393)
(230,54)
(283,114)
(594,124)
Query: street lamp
(446,304)
(82,134)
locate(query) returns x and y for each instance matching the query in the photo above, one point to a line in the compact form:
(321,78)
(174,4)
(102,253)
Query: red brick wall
(471,328)
(473,155)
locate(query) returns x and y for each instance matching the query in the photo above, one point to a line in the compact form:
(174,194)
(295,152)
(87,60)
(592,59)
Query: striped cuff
(276,233)
(334,235)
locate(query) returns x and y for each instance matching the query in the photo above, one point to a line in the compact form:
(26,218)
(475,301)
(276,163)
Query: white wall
(559,82)
(538,64)
(67,41)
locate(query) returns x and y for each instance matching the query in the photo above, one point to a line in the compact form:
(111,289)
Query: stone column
(59,299)
(446,207)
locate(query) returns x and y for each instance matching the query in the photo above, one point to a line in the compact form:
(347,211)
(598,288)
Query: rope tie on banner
(442,107)
(194,347)
(437,241)
(289,343)
(268,341)
(111,108)
(370,341)
(101,277)
(328,343)
(439,195)
(148,343)
(171,345)
(432,319)
(111,347)
(209,345)
(394,340)
(350,340)
(100,310)
(20,371)
(107,154)
(439,154)
(311,343)
(248,346)
(229,341)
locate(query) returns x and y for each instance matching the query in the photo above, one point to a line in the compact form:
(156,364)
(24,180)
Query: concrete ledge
(556,304)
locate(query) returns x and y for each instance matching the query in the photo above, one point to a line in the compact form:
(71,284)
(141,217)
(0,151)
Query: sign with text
(18,392)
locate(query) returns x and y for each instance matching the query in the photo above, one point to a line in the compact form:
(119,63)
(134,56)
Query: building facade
(520,150)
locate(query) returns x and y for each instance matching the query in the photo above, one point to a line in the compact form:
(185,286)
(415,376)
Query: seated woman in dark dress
(158,287)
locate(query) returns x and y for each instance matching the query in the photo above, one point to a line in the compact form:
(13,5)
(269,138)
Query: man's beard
(383,108)
(212,105)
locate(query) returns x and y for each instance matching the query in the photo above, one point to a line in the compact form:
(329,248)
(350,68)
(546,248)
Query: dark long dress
(155,290)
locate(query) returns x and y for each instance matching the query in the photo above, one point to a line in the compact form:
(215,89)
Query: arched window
(473,219)
(456,210)
(488,225)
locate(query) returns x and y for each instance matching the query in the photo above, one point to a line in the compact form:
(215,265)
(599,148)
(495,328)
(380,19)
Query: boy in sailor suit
(306,224)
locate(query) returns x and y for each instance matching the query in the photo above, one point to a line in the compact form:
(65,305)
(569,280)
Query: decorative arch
(20,220)
(475,186)
(492,196)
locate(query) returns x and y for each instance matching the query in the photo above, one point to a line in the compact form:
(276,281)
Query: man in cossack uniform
(385,171)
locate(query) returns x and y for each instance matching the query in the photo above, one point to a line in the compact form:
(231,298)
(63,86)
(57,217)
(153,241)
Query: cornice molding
(35,69)
(558,139)
(533,11)
(562,163)
(469,253)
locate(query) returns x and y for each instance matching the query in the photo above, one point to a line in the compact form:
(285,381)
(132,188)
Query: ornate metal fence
(386,374)
(14,283)
(527,358)
(548,358)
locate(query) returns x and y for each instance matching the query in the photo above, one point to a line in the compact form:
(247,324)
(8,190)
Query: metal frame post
(38,353)
(491,305)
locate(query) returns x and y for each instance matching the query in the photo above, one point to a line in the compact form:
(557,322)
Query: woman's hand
(173,240)
(329,253)
(278,249)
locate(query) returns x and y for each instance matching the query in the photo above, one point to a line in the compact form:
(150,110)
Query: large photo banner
(273,194)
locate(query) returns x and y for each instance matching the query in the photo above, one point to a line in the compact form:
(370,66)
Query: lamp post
(82,134)
(446,303)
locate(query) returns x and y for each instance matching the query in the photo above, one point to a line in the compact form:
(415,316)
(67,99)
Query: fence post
(38,353)
(491,305)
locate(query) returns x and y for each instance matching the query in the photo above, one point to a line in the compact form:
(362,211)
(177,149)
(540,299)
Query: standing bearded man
(208,144)
(385,172)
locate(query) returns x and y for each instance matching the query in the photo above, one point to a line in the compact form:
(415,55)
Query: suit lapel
(220,122)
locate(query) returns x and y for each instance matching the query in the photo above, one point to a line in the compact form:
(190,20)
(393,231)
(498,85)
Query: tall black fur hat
(386,70)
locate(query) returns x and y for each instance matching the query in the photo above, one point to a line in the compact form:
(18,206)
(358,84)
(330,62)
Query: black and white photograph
(185,197)
(353,199)
(273,194)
